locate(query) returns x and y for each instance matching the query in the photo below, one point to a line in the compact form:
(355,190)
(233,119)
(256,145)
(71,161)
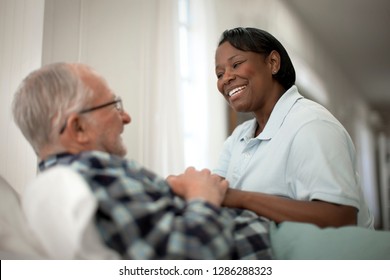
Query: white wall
(21,31)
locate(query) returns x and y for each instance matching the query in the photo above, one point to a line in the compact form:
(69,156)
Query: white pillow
(16,239)
(60,209)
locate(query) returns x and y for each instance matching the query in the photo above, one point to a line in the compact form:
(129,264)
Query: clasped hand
(193,184)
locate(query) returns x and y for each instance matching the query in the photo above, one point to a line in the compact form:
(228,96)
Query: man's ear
(274,60)
(77,128)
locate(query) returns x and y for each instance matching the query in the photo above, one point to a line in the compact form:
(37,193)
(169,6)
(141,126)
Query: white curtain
(208,106)
(161,128)
(165,121)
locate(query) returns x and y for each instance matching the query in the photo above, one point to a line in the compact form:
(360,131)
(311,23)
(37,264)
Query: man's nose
(126,117)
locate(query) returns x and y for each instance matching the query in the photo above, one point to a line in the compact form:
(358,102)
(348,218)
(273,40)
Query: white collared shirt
(303,153)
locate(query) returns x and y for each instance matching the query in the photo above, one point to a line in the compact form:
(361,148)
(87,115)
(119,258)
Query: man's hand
(199,184)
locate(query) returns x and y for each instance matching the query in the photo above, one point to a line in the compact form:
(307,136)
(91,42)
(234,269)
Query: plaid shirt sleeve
(139,217)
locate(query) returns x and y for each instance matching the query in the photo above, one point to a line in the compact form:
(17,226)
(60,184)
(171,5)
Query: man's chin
(119,152)
(122,153)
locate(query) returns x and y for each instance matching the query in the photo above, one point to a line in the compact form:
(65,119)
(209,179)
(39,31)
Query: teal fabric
(299,241)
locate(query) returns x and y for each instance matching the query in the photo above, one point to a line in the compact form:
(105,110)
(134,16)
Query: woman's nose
(228,77)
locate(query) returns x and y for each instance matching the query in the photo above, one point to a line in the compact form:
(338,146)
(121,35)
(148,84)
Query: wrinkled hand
(199,184)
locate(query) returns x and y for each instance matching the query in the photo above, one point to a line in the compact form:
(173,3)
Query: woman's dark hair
(260,41)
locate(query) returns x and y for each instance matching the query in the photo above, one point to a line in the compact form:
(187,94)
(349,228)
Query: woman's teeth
(236,90)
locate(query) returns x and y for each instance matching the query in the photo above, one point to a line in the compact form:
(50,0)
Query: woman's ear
(274,60)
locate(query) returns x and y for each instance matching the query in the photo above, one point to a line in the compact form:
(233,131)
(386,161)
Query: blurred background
(158,55)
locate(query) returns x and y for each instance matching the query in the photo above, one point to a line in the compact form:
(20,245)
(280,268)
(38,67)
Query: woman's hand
(202,184)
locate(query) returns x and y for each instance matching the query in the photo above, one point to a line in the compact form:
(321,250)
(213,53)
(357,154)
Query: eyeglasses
(117,102)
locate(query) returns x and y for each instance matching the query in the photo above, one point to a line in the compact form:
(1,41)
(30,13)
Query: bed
(67,231)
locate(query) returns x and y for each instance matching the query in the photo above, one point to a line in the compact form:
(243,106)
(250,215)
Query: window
(193,102)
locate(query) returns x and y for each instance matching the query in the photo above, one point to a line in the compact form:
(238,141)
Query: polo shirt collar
(278,115)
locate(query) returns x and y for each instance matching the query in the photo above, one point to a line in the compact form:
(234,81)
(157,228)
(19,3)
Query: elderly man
(70,116)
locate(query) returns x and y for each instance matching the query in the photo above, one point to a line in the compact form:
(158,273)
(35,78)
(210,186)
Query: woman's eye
(219,75)
(236,64)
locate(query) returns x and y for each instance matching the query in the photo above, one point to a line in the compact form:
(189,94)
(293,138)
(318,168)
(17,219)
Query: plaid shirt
(141,218)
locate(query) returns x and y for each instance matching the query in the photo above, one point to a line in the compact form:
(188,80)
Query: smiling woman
(259,56)
(294,161)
